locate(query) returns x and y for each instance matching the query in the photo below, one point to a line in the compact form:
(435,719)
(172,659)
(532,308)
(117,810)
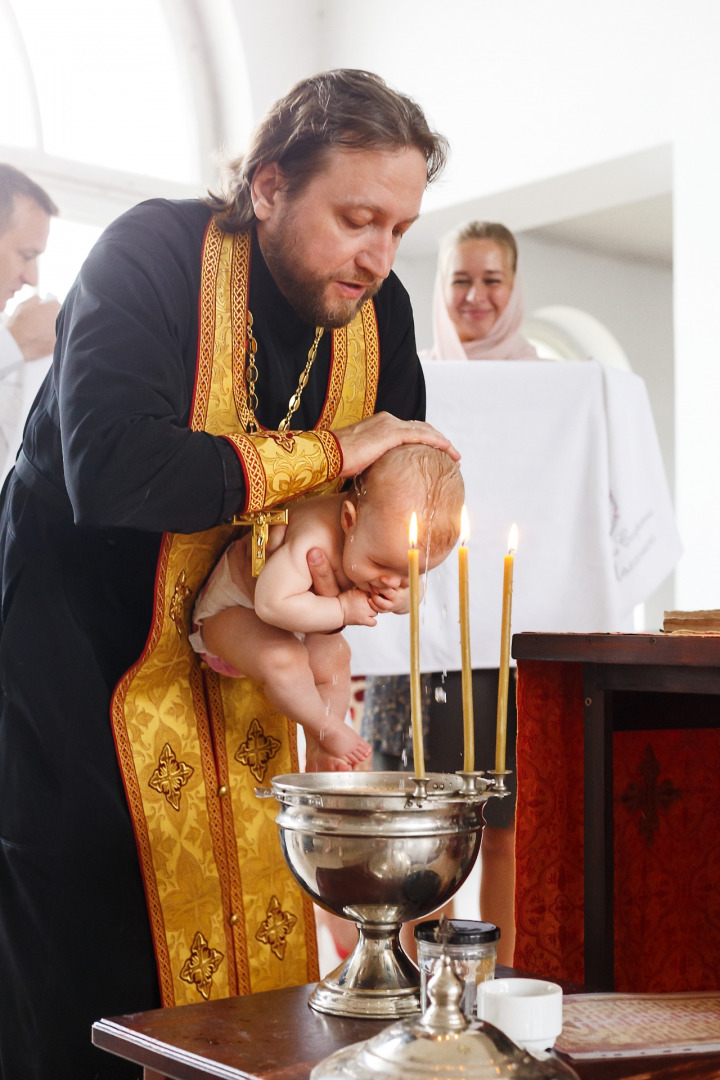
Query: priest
(215,360)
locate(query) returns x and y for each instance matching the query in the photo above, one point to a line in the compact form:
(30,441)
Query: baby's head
(376,514)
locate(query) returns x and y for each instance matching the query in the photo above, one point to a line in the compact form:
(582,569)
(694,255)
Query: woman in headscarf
(478,305)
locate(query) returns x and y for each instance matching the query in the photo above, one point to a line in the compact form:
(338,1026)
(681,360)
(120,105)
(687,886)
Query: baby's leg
(329,657)
(276,658)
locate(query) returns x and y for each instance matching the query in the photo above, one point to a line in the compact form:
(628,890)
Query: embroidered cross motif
(649,798)
(201,965)
(177,604)
(275,928)
(257,750)
(170,776)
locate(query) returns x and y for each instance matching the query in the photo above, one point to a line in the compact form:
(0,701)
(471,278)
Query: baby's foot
(343,742)
(322,762)
(318,760)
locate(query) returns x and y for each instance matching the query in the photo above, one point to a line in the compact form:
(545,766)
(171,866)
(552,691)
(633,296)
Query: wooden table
(630,682)
(277,1036)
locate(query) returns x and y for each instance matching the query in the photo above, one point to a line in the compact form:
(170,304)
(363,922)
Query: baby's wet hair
(422,478)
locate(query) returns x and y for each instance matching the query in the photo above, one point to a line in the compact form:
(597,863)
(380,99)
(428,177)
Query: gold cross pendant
(261,522)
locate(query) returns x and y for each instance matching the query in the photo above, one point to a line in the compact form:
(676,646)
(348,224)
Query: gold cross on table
(261,522)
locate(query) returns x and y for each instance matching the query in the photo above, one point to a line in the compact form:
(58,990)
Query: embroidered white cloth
(570,454)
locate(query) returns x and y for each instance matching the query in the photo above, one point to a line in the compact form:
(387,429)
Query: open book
(629,1025)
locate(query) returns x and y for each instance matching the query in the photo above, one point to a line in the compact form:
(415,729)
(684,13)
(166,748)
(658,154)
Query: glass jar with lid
(472,949)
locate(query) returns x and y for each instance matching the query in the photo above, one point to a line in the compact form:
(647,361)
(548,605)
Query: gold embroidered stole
(227,916)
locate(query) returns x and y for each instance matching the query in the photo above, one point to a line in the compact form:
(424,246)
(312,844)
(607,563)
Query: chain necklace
(262,520)
(251,374)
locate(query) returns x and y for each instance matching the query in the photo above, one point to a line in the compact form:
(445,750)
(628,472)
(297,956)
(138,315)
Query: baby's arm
(283,597)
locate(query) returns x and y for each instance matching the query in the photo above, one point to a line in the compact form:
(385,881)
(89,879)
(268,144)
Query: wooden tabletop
(695,650)
(271,1036)
(277,1036)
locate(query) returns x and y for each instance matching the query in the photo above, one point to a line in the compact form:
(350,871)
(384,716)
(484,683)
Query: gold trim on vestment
(277,465)
(227,915)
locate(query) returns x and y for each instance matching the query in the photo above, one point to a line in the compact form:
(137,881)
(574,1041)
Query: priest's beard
(306,291)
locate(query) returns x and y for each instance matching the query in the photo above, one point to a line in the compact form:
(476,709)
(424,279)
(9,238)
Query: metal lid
(441,1043)
(457,932)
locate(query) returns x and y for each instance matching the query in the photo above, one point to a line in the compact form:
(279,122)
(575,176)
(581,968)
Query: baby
(276,630)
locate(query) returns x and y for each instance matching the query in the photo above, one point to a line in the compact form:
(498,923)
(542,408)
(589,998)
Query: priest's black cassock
(109,465)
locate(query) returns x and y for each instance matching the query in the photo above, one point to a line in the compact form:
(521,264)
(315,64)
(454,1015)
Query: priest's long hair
(347,108)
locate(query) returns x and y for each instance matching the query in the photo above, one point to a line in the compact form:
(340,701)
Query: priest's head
(332,180)
(25,212)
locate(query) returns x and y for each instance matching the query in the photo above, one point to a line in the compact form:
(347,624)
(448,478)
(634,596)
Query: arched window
(559,332)
(112,102)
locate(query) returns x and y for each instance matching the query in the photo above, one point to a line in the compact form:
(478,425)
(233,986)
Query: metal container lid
(457,932)
(441,1043)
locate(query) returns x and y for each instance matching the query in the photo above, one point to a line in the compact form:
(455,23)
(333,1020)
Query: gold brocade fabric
(227,916)
(276,464)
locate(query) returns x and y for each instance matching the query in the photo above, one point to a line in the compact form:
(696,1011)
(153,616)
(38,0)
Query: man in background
(29,333)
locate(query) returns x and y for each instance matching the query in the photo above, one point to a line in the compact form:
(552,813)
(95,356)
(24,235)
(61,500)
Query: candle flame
(512,540)
(413,530)
(464,526)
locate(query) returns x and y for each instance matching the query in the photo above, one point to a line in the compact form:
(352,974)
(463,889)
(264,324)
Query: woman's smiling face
(478,286)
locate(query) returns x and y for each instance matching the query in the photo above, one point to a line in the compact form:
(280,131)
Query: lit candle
(415,692)
(504,678)
(467,698)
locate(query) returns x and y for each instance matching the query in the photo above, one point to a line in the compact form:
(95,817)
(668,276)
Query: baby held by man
(280,633)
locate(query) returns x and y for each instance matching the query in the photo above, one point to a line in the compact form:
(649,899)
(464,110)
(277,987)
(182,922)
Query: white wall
(282,44)
(633,300)
(697,378)
(524,90)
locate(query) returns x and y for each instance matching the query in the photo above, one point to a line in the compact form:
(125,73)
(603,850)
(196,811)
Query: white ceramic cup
(528,1011)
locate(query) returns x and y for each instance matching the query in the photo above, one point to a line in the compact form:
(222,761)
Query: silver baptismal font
(380,849)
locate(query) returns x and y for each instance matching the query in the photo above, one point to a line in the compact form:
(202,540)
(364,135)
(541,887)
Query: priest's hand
(323,576)
(367,440)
